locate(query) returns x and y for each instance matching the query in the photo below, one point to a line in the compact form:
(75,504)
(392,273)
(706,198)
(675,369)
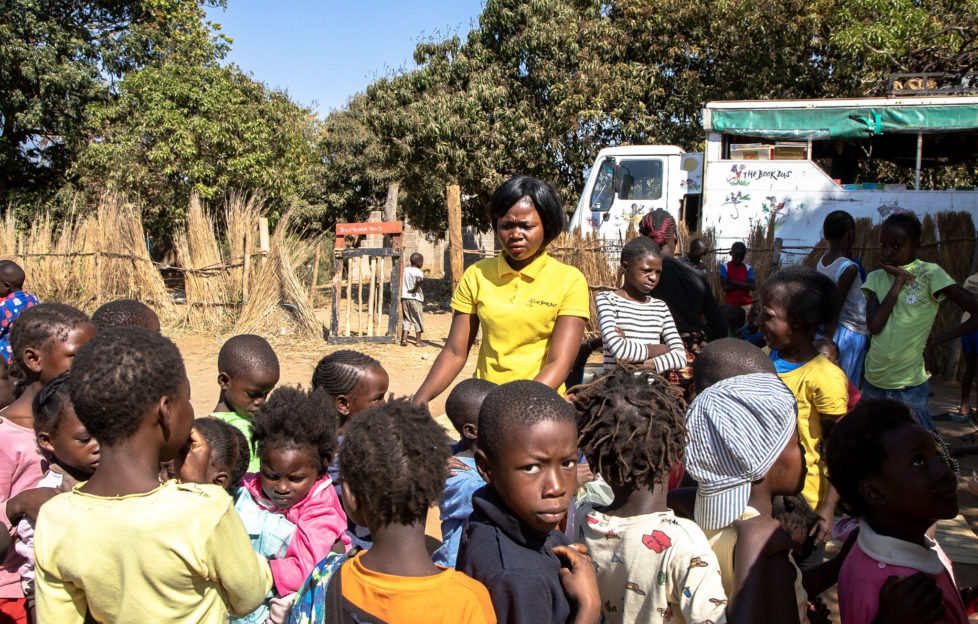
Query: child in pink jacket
(295,438)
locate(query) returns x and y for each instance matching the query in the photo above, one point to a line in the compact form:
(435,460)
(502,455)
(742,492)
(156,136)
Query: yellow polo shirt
(517,311)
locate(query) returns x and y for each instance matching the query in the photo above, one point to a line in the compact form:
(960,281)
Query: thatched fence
(231,280)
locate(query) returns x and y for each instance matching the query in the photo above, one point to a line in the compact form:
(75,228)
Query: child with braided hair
(648,560)
(355,381)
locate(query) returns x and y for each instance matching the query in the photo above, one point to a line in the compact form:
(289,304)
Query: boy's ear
(482,464)
(32,359)
(223,379)
(470,431)
(871,492)
(221,478)
(350,503)
(44,441)
(342,404)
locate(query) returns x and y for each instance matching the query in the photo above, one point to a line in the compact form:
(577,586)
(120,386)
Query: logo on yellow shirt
(540,302)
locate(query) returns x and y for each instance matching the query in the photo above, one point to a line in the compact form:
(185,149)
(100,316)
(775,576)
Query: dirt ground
(407,367)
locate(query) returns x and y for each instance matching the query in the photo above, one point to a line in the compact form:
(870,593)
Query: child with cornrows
(353,380)
(649,562)
(902,298)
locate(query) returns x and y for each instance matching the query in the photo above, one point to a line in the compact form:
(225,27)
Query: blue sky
(322,52)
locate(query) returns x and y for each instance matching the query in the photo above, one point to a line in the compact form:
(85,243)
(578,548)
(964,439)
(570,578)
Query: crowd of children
(619,502)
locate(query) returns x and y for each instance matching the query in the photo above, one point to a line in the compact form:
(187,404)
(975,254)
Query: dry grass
(278,302)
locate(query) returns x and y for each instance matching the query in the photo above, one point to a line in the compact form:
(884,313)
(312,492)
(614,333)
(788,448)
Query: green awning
(843,122)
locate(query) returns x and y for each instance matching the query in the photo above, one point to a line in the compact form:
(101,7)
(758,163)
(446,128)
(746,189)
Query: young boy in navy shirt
(528,456)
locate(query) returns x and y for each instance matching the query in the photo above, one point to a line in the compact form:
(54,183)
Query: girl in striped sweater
(635,327)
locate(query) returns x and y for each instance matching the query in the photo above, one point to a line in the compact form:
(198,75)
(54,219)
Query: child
(72,455)
(694,257)
(44,340)
(125,313)
(902,298)
(462,407)
(412,300)
(394,581)
(528,457)
(637,328)
(178,550)
(736,320)
(891,474)
(248,371)
(353,380)
(737,278)
(649,562)
(743,450)
(830,350)
(850,333)
(216,453)
(969,352)
(796,302)
(295,438)
(14,302)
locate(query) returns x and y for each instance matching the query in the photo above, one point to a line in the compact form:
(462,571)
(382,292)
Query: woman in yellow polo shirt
(531,308)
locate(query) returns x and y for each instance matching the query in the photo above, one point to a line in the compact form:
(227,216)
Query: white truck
(791,162)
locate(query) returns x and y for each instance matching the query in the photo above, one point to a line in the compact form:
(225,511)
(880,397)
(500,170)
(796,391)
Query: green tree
(59,58)
(177,127)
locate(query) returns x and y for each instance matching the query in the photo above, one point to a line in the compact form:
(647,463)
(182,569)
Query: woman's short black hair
(393,459)
(908,222)
(294,418)
(837,224)
(855,450)
(638,248)
(544,199)
(806,295)
(118,375)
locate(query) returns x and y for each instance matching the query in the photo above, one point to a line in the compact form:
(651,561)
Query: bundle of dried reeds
(210,292)
(241,213)
(278,302)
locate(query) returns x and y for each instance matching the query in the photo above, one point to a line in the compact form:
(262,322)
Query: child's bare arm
(580,583)
(968,303)
(878,312)
(763,588)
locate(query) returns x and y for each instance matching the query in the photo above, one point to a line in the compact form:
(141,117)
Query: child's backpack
(320,599)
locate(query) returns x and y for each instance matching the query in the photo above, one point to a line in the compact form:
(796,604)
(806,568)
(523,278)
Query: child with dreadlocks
(649,563)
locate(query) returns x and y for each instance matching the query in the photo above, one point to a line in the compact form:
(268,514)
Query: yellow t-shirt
(448,596)
(822,391)
(176,554)
(517,311)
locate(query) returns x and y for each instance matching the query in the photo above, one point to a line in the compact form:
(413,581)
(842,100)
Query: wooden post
(349,300)
(360,263)
(246,268)
(381,261)
(263,237)
(455,233)
(776,254)
(98,275)
(315,275)
(370,297)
